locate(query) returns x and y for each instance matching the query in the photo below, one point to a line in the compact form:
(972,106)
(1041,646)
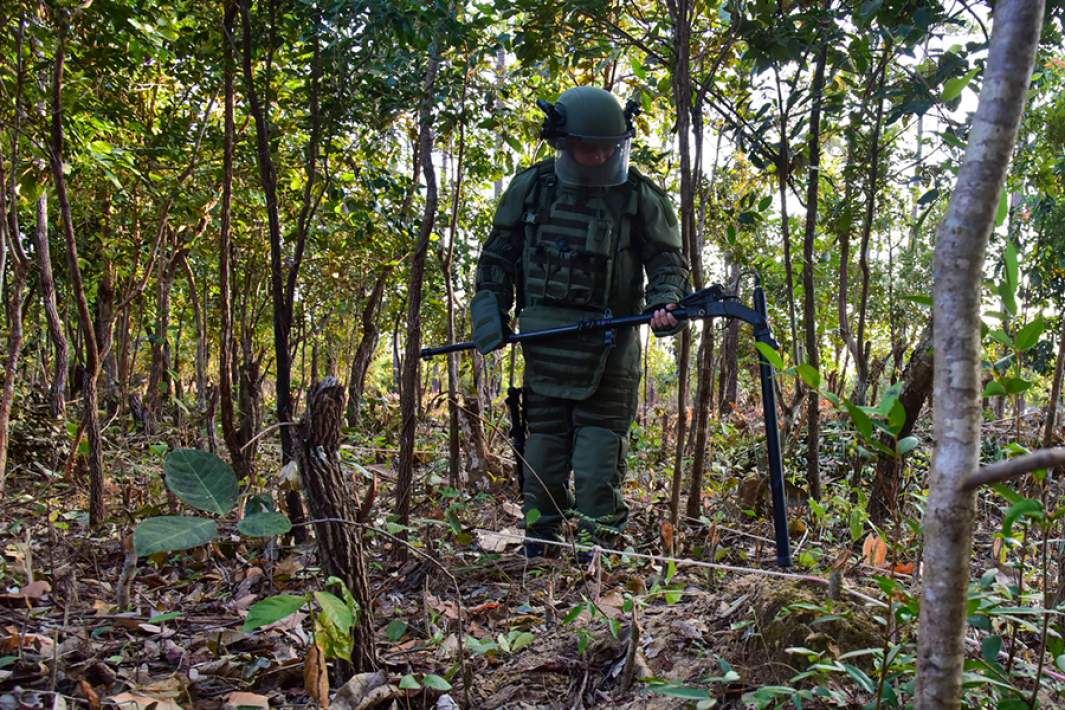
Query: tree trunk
(199,321)
(959,259)
(809,303)
(702,400)
(409,380)
(360,364)
(862,349)
(783,175)
(159,380)
(917,379)
(57,392)
(226,340)
(16,287)
(334,508)
(97,509)
(1055,390)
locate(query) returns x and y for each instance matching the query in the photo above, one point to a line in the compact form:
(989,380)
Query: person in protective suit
(572,239)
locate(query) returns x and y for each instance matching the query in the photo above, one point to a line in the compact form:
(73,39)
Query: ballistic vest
(579,261)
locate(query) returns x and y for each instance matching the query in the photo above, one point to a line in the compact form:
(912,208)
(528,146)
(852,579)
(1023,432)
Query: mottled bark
(1053,403)
(961,244)
(334,508)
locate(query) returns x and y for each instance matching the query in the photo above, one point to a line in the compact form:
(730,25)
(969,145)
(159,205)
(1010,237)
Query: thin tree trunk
(809,303)
(783,175)
(159,380)
(360,364)
(57,392)
(1055,390)
(226,340)
(15,288)
(199,320)
(97,509)
(959,259)
(409,378)
(867,230)
(917,385)
(680,13)
(447,262)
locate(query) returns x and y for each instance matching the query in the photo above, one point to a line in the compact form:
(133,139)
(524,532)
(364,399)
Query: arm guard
(661,252)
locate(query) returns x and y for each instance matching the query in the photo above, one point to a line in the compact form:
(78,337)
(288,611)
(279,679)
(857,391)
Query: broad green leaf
(682,691)
(919,299)
(1028,336)
(994,388)
(990,647)
(896,418)
(862,422)
(169,533)
(859,675)
(395,630)
(1025,508)
(809,375)
(1008,493)
(1003,210)
(1016,385)
(764,203)
(168,616)
(431,680)
(999,336)
(271,609)
(267,524)
(1012,258)
(906,445)
(952,88)
(521,641)
(409,682)
(771,355)
(335,610)
(202,480)
(532,516)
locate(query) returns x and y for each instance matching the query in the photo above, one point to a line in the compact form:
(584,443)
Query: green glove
(488,331)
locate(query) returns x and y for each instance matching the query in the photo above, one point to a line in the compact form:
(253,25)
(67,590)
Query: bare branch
(1012,468)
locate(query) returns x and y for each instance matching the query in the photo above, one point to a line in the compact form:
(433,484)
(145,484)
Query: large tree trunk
(97,509)
(334,508)
(57,392)
(360,364)
(409,379)
(809,303)
(917,385)
(959,259)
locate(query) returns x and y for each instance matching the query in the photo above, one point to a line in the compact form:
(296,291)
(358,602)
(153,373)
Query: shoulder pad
(512,203)
(639,179)
(659,217)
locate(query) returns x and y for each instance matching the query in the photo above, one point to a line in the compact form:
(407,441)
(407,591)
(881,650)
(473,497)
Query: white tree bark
(959,258)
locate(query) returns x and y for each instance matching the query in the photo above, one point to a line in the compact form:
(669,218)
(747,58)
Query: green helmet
(592,135)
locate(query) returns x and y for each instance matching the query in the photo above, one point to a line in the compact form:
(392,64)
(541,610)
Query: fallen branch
(1012,468)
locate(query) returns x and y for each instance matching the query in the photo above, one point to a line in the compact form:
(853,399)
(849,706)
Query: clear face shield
(592,162)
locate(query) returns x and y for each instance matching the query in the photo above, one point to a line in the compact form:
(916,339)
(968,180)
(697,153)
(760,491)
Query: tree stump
(334,507)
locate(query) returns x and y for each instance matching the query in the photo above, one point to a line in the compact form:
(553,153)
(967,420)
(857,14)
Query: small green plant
(205,482)
(334,616)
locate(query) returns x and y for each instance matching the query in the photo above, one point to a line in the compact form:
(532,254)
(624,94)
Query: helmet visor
(593,162)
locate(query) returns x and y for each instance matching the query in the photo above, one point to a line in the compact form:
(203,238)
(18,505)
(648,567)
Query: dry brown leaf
(667,536)
(316,675)
(491,541)
(874,550)
(28,595)
(238,699)
(840,563)
(91,696)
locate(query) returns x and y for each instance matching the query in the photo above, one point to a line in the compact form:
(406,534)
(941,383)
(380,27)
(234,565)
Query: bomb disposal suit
(571,240)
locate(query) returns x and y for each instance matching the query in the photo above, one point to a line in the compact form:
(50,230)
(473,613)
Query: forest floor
(464,620)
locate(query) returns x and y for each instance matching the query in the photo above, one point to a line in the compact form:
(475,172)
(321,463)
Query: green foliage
(202,480)
(169,533)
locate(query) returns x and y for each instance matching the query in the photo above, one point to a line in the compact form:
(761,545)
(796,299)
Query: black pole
(772,436)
